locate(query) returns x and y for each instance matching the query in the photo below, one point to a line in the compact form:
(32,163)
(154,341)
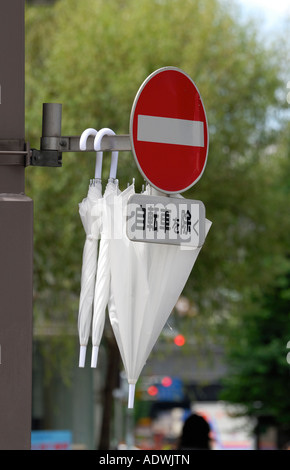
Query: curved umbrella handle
(99,157)
(84,308)
(115,154)
(84,137)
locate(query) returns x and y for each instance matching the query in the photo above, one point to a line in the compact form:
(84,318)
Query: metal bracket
(50,158)
(52,144)
(14,152)
(27,156)
(72,143)
(53,140)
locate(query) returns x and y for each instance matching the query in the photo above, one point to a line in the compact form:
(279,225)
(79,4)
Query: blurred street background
(225,351)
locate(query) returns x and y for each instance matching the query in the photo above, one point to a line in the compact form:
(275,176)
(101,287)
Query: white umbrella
(172,266)
(129,287)
(102,286)
(91,225)
(168,268)
(146,281)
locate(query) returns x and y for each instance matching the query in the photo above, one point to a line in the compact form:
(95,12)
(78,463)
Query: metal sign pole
(16,239)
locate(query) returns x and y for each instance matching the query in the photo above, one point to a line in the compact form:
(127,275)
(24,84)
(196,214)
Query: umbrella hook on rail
(90,253)
(102,296)
(99,157)
(84,137)
(115,154)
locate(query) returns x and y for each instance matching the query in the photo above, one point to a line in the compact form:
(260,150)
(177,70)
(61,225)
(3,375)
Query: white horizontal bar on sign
(170,131)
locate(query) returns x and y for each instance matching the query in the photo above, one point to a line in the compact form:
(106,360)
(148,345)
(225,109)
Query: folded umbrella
(129,285)
(146,282)
(91,224)
(172,267)
(102,286)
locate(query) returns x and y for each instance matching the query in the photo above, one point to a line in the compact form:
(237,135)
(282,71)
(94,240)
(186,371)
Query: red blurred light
(152,390)
(179,340)
(166,381)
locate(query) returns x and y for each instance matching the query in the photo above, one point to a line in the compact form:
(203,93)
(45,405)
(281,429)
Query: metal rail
(53,144)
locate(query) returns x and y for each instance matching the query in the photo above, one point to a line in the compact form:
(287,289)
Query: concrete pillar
(16,239)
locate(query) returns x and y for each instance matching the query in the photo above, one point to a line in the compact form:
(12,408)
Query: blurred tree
(258,344)
(258,375)
(40,2)
(92,56)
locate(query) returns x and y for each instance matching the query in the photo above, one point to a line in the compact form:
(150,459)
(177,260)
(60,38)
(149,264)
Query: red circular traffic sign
(168,131)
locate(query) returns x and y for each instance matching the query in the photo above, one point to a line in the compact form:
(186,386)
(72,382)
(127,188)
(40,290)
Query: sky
(271,12)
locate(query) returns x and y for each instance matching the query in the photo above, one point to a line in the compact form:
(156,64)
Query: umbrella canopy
(129,284)
(91,224)
(146,282)
(168,271)
(102,286)
(168,268)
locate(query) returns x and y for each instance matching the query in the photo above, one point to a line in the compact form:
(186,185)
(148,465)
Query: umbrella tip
(82,358)
(95,356)
(131,395)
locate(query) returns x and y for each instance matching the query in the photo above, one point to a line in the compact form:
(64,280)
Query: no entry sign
(168,131)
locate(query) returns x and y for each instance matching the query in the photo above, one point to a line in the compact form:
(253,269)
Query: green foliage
(257,345)
(92,56)
(258,370)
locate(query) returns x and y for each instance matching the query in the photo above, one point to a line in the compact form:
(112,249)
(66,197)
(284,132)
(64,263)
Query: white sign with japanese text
(169,220)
